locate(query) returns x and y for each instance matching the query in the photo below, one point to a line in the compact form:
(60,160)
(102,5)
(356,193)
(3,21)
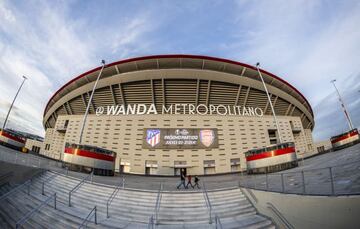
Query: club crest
(153,137)
(207,137)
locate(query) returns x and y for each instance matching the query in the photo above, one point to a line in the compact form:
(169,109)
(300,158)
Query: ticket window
(151,167)
(125,166)
(235,164)
(209,167)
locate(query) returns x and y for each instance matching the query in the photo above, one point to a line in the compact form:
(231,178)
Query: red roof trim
(178,56)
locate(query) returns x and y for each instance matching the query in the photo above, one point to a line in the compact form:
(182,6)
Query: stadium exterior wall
(175,84)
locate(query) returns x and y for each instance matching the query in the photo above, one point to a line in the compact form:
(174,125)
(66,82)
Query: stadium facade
(169,112)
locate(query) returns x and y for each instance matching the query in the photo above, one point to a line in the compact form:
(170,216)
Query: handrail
(218,224)
(46,181)
(157,204)
(6,175)
(78,186)
(207,201)
(87,219)
(151,222)
(26,217)
(281,217)
(112,196)
(28,183)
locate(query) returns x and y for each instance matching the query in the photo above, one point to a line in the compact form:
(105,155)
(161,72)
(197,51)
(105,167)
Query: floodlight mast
(12,104)
(347,116)
(89,102)
(268,96)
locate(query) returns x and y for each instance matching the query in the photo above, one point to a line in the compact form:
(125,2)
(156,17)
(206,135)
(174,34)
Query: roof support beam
(197,92)
(84,100)
(308,125)
(66,110)
(267,104)
(112,94)
(203,64)
(117,69)
(243,71)
(92,103)
(246,96)
(163,90)
(288,109)
(275,100)
(136,65)
(152,91)
(122,94)
(292,111)
(70,109)
(238,96)
(208,93)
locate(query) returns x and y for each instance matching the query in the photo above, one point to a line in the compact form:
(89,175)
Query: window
(273,136)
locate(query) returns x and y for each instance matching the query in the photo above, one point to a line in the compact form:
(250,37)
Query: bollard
(95,216)
(303,181)
(332,182)
(55,200)
(69,199)
(267,183)
(282,183)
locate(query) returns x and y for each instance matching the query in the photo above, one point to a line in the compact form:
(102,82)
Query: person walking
(189,182)
(182,180)
(197,180)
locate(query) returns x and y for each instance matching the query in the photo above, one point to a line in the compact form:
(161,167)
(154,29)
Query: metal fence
(336,180)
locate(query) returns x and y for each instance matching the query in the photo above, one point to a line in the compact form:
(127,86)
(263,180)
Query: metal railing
(158,202)
(113,195)
(88,218)
(151,224)
(47,180)
(26,183)
(282,218)
(26,217)
(5,176)
(331,181)
(79,184)
(218,224)
(207,201)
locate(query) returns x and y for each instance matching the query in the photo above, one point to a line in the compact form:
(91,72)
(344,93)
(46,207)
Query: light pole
(347,116)
(12,104)
(272,108)
(89,102)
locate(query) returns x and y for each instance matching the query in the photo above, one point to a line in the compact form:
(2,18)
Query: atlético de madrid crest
(207,137)
(153,137)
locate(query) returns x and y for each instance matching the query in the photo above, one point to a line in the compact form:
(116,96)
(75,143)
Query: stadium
(166,113)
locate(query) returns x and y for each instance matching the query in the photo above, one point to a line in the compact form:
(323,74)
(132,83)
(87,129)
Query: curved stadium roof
(227,82)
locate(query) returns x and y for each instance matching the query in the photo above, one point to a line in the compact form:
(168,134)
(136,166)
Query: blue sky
(307,43)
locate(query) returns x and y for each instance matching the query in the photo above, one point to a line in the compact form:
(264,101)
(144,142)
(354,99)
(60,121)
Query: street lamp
(90,100)
(12,104)
(347,116)
(272,108)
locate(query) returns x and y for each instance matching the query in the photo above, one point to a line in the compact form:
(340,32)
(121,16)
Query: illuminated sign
(179,108)
(181,138)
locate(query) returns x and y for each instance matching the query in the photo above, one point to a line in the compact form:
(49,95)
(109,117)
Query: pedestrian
(197,182)
(189,182)
(182,180)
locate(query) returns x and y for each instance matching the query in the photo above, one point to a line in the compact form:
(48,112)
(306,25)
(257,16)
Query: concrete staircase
(129,208)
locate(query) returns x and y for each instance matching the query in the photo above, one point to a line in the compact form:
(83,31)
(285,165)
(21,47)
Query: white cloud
(50,47)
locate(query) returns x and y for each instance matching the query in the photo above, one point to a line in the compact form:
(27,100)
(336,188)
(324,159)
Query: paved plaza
(315,172)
